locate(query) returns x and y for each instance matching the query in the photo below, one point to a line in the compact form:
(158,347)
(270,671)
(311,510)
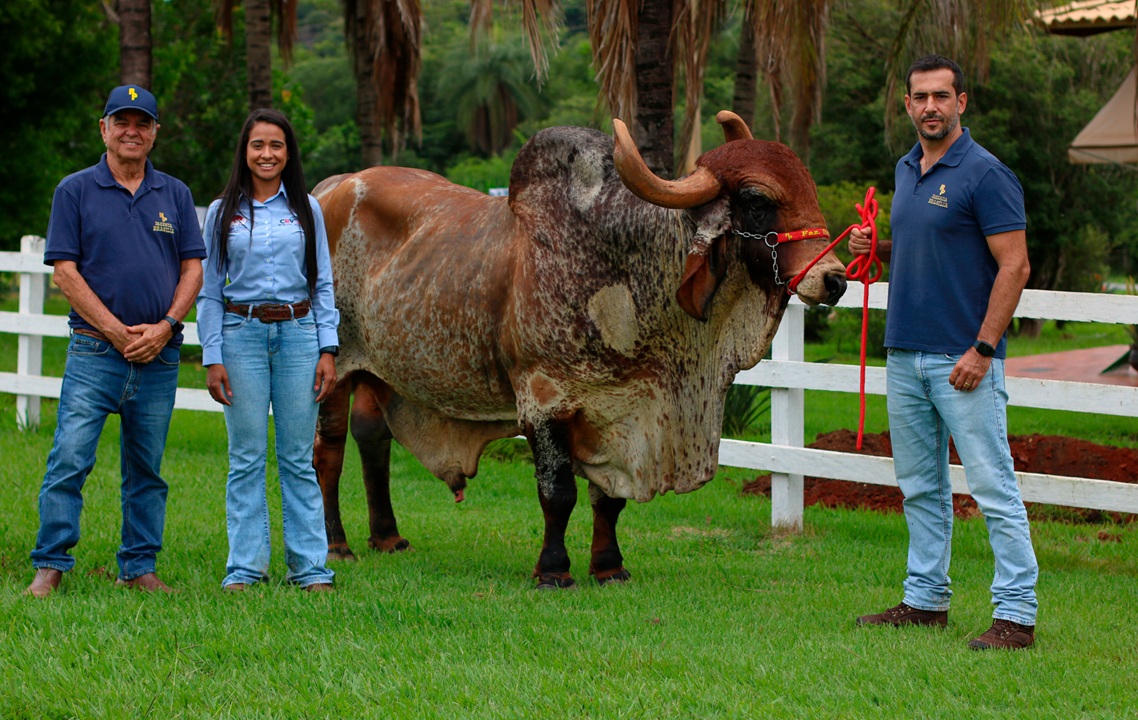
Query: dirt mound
(1047,454)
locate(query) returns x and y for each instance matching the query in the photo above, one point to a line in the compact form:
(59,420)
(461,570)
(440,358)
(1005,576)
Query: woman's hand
(217,380)
(325,376)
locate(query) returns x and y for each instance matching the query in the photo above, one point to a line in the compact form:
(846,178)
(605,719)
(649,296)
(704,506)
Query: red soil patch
(1047,454)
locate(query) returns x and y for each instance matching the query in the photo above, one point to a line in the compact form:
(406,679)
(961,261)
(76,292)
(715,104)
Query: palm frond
(223,16)
(541,20)
(283,10)
(285,13)
(396,34)
(790,41)
(613,36)
(696,23)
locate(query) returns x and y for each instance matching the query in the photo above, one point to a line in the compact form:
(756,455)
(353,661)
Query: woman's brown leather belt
(271,312)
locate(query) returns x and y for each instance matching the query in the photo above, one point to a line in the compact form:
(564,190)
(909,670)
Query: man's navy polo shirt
(941,271)
(128,248)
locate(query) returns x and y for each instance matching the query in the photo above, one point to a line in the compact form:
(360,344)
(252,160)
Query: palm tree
(491,92)
(746,73)
(385,41)
(259,16)
(134,42)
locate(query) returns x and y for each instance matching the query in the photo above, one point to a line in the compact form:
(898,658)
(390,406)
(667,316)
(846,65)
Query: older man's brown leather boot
(45,582)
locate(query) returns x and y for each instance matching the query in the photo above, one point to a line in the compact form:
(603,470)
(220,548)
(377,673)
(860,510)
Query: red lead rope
(859,269)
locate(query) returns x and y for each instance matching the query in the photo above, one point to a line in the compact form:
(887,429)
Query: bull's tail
(326,185)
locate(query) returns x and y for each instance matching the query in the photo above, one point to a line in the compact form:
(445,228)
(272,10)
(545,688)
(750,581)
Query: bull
(600,311)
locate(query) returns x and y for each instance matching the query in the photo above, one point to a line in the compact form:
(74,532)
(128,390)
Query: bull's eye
(758,212)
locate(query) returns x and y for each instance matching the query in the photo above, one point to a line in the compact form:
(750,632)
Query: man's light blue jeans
(924,409)
(272,363)
(97,381)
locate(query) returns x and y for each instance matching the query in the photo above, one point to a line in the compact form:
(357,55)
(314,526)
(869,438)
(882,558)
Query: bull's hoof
(619,576)
(391,544)
(556,582)
(340,553)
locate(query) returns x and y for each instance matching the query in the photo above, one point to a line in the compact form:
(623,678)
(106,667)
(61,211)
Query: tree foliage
(58,58)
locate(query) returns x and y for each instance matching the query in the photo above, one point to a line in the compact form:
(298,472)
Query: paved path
(1075,365)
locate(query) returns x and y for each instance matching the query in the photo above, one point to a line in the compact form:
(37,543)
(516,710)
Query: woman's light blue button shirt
(266,265)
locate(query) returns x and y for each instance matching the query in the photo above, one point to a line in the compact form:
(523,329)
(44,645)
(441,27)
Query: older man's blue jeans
(97,381)
(924,410)
(272,363)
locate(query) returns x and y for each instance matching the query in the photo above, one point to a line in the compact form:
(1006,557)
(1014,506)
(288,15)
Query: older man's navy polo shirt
(941,271)
(128,248)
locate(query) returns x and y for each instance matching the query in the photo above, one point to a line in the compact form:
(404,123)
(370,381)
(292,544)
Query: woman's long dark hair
(240,186)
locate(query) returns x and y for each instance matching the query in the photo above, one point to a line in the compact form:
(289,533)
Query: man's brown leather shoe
(146,583)
(318,587)
(1005,635)
(45,582)
(905,615)
(235,587)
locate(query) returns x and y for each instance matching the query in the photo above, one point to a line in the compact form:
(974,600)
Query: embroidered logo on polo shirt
(289,221)
(163,225)
(939,199)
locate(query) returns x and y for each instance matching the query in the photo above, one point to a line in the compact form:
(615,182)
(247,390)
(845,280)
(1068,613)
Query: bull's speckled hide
(483,316)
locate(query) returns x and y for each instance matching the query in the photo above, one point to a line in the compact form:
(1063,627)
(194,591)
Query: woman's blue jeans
(272,363)
(98,381)
(924,410)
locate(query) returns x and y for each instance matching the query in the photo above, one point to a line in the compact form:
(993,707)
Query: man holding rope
(959,263)
(127,250)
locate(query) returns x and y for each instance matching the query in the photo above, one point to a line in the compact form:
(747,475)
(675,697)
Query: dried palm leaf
(283,10)
(613,35)
(541,20)
(790,40)
(696,23)
(393,33)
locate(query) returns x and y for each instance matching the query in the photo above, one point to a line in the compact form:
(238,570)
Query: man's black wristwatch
(984,348)
(333,350)
(176,326)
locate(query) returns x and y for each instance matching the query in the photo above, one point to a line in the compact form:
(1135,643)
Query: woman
(269,338)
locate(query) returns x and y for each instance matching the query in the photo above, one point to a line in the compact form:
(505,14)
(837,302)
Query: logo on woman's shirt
(289,221)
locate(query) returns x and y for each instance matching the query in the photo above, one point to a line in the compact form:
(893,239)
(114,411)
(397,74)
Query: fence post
(787,419)
(29,357)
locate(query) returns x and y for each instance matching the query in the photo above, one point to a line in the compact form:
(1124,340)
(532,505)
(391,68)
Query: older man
(958,263)
(126,247)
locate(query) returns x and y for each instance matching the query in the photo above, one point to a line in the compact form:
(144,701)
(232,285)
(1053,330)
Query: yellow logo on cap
(134,96)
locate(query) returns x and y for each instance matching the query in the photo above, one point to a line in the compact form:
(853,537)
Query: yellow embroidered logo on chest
(163,224)
(939,199)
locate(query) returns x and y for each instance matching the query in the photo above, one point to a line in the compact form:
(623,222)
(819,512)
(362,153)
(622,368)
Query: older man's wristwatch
(984,348)
(176,326)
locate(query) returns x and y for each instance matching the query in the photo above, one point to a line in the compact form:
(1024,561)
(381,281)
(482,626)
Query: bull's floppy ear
(704,271)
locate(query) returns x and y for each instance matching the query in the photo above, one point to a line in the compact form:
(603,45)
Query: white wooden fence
(786,373)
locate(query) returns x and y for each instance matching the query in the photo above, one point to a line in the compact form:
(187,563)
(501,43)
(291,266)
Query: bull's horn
(699,188)
(733,126)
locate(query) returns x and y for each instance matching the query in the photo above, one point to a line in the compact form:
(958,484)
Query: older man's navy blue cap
(131,97)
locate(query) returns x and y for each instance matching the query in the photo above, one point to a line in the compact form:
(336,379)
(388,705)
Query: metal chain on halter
(766,238)
(860,269)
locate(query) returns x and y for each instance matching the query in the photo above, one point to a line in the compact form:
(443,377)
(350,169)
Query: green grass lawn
(722,617)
